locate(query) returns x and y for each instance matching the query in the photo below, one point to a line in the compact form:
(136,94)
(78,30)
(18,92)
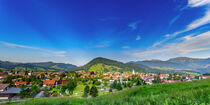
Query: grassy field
(194,93)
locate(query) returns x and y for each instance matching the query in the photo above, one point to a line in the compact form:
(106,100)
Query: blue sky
(76,31)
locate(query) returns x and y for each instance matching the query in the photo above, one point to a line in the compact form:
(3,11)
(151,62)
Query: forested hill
(41,66)
(104,64)
(177,64)
(192,62)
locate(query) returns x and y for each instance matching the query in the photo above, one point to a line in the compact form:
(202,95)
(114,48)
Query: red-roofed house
(49,83)
(19,84)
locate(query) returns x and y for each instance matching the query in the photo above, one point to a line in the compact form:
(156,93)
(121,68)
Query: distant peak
(153,60)
(180,58)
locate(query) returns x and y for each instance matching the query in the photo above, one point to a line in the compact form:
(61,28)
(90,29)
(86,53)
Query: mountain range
(41,66)
(179,64)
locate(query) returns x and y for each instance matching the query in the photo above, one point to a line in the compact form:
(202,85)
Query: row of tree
(93,91)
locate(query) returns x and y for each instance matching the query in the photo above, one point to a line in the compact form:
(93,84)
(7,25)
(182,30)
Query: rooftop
(12,90)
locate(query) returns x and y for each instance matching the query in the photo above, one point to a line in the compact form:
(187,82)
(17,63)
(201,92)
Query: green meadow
(185,93)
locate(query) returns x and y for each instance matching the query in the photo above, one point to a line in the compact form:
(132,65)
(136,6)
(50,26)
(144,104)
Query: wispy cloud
(102,44)
(53,52)
(108,18)
(18,45)
(174,20)
(193,25)
(138,37)
(197,3)
(183,45)
(125,47)
(134,25)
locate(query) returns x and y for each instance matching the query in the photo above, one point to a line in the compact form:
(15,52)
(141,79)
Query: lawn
(196,93)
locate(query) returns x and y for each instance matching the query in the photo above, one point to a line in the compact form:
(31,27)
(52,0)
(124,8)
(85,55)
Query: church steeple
(133,72)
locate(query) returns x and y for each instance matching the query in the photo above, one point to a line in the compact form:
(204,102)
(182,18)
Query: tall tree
(157,79)
(94,91)
(114,85)
(86,91)
(71,86)
(170,77)
(119,86)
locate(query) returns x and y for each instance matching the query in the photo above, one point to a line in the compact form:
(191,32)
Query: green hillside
(40,66)
(103,64)
(186,93)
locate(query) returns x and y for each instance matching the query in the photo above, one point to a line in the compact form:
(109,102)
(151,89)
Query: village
(29,84)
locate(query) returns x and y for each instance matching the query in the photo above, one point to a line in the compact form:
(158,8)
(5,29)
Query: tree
(71,86)
(114,85)
(129,84)
(34,89)
(86,91)
(42,76)
(63,89)
(170,77)
(26,72)
(9,80)
(140,82)
(25,92)
(124,84)
(97,83)
(197,77)
(94,91)
(175,74)
(119,86)
(110,90)
(105,83)
(157,79)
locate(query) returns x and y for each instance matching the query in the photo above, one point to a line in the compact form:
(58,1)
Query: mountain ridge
(179,63)
(112,64)
(38,66)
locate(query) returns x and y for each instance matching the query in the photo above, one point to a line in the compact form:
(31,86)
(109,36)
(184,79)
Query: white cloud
(102,44)
(125,47)
(197,3)
(17,45)
(134,25)
(193,25)
(52,52)
(185,45)
(138,37)
(199,22)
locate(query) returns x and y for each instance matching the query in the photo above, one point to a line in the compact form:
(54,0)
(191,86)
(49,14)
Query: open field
(196,92)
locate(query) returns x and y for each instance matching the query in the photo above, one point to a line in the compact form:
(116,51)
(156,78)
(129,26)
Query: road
(3,102)
(40,94)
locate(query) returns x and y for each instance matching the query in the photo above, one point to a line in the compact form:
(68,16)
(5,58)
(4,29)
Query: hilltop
(104,64)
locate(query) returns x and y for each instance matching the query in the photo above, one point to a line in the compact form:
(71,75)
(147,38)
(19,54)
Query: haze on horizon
(76,31)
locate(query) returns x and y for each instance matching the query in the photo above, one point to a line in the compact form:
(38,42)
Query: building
(49,83)
(133,72)
(4,87)
(19,84)
(10,93)
(52,82)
